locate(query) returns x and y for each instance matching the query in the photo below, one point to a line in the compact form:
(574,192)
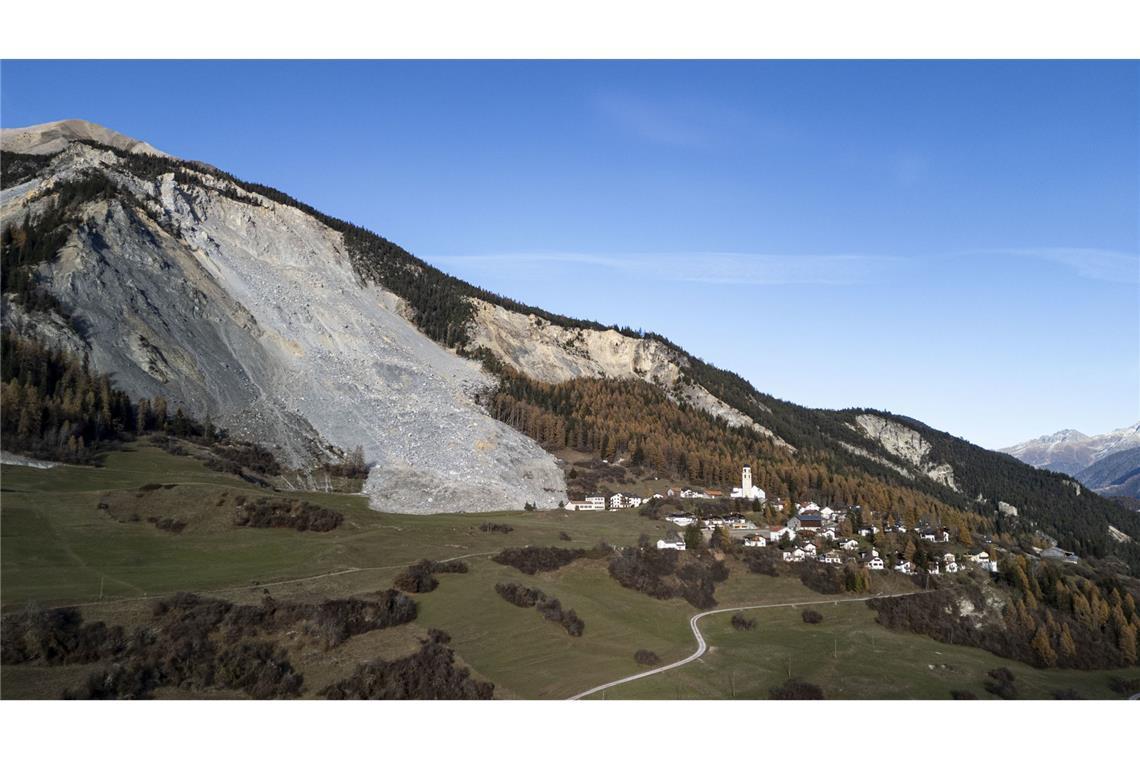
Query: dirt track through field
(331,574)
(702,646)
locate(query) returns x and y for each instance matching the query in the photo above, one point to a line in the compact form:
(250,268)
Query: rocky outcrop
(907,445)
(877,459)
(250,312)
(551,353)
(1007,509)
(1118,535)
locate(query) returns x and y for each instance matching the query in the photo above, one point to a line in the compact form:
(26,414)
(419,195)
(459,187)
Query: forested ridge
(639,422)
(609,417)
(1048,501)
(1053,615)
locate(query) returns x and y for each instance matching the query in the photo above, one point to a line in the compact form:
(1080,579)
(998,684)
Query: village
(834,535)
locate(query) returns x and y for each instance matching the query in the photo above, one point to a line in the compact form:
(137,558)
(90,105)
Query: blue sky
(957,242)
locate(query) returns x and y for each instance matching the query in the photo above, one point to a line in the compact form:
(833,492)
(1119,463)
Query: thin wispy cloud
(706,268)
(721,268)
(1089,263)
(1097,264)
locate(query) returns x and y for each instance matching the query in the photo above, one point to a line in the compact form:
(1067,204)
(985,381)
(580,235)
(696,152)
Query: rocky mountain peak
(53,137)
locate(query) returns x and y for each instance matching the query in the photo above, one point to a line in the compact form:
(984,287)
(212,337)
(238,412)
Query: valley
(59,548)
(290,459)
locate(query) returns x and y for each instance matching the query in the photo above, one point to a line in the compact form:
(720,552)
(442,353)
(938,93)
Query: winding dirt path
(702,646)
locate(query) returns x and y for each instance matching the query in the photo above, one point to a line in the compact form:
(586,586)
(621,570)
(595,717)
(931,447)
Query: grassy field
(851,657)
(58,547)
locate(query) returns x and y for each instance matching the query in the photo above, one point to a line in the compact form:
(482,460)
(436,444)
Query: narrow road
(702,646)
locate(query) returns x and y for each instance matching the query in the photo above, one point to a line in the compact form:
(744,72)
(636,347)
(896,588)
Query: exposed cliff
(249,311)
(908,445)
(552,353)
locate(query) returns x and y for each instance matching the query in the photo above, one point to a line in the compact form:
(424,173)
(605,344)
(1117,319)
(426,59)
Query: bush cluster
(551,608)
(57,637)
(490,527)
(536,559)
(1002,683)
(299,515)
(244,454)
(194,643)
(664,574)
(168,524)
(762,562)
(420,577)
(646,657)
(742,623)
(794,688)
(429,673)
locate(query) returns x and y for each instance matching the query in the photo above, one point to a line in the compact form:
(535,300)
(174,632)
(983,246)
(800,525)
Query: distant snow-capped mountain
(1070,451)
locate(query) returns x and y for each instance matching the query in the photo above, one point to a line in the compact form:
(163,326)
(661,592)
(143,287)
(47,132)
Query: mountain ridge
(1070,451)
(54,137)
(238,333)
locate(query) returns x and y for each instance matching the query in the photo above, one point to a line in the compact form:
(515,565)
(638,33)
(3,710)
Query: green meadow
(58,547)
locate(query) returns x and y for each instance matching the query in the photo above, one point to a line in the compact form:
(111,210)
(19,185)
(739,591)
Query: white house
(951,567)
(795,555)
(826,513)
(593,504)
(875,563)
(671,541)
(829,534)
(932,569)
(944,536)
(947,558)
(774,534)
(979,557)
(832,558)
(682,519)
(616,501)
(849,545)
(904,567)
(755,541)
(633,501)
(688,493)
(809,549)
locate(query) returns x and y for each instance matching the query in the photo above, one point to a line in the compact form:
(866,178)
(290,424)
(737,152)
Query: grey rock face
(907,445)
(250,312)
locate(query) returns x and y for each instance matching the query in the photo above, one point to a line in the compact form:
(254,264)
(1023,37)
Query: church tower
(746,482)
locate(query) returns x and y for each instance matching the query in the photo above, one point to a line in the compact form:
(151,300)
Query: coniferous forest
(592,415)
